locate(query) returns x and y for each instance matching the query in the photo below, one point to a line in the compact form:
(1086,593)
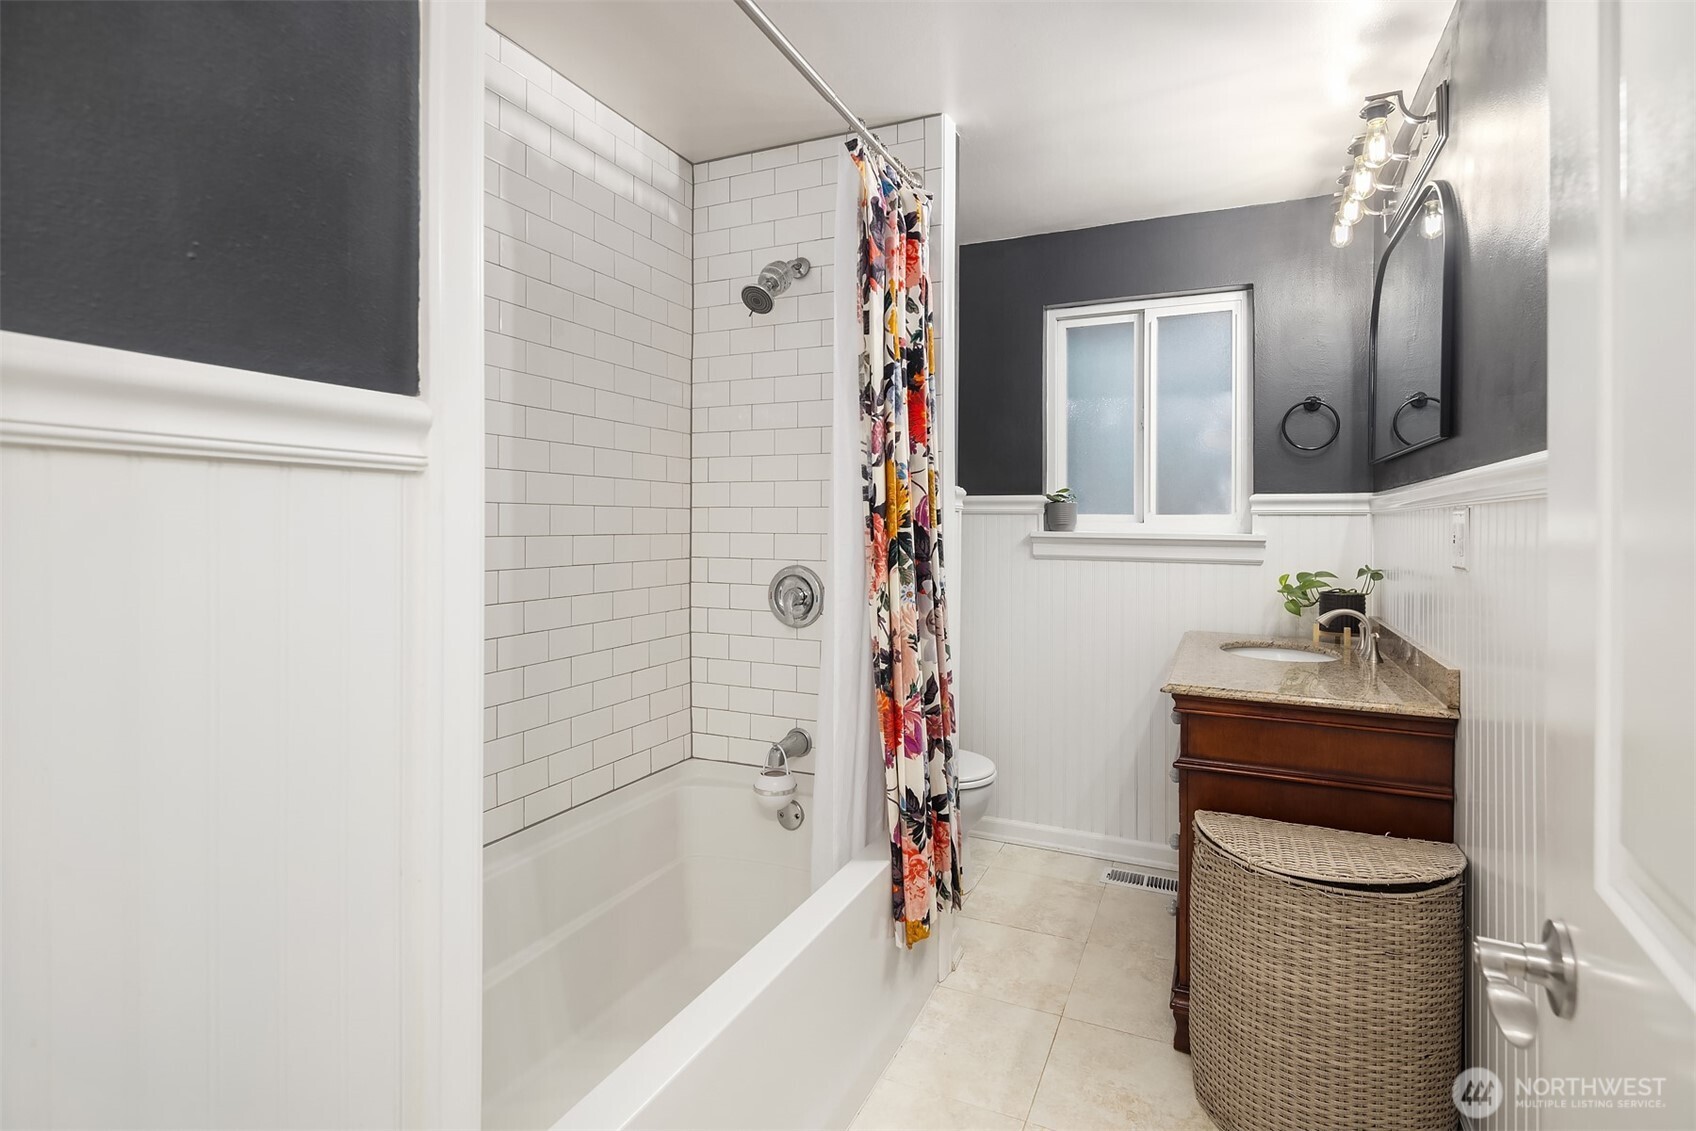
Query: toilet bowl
(977,781)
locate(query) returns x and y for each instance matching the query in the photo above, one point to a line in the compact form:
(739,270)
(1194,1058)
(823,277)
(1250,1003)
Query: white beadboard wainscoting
(212,741)
(1490,621)
(1060,684)
(239,839)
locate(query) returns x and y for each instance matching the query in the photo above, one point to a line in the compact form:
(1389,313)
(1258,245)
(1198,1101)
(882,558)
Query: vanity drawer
(1335,747)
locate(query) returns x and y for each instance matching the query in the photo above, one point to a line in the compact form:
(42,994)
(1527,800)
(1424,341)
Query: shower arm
(855,123)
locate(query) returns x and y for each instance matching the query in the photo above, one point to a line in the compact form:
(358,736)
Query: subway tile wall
(587,311)
(655,453)
(761,429)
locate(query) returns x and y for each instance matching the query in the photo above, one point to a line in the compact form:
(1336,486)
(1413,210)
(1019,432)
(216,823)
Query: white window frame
(1146,315)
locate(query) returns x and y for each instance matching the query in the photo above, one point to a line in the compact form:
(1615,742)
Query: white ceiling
(1070,114)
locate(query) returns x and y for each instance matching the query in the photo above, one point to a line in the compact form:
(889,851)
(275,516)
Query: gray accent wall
(1497,158)
(224,182)
(1310,304)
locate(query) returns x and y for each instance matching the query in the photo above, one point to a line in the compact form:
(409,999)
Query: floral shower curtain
(912,670)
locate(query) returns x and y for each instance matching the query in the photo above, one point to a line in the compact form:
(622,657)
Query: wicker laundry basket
(1326,976)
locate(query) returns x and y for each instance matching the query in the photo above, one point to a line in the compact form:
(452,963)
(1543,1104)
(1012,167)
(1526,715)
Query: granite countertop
(1201,668)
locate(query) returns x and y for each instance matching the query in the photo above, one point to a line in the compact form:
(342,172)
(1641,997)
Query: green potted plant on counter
(1302,591)
(1061,511)
(1305,590)
(1365,579)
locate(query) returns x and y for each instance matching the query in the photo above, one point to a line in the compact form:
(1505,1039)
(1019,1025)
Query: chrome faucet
(796,744)
(1368,647)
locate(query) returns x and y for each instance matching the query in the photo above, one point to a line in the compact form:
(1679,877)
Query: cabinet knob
(1177,719)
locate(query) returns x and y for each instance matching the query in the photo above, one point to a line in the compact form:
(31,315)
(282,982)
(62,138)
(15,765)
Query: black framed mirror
(1412,330)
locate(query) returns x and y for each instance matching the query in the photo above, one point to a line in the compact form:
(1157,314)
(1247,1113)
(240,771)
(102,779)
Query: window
(1148,413)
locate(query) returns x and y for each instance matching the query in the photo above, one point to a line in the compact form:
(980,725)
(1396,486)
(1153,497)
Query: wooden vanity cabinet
(1359,770)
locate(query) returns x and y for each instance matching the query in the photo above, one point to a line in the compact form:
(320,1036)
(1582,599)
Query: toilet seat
(973,769)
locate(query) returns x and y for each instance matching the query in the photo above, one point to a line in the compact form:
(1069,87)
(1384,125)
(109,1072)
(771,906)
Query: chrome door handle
(1549,963)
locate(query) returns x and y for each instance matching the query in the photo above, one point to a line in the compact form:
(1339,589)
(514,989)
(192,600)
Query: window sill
(1208,549)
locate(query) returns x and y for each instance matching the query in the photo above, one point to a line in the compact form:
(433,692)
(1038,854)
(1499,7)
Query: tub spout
(796,744)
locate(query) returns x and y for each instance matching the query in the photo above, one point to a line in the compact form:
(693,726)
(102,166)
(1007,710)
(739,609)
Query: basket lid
(1307,852)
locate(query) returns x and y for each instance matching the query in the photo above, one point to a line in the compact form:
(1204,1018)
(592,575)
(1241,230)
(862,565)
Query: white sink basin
(1283,655)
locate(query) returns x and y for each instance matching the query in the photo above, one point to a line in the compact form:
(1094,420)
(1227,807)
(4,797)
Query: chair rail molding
(1354,502)
(1522,477)
(61,394)
(1004,504)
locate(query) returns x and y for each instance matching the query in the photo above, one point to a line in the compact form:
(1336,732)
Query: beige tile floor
(1055,1019)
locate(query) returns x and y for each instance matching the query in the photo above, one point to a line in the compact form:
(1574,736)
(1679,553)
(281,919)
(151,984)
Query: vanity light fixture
(1367,179)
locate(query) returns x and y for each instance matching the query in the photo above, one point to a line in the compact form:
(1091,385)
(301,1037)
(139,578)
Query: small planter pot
(1332,599)
(1060,516)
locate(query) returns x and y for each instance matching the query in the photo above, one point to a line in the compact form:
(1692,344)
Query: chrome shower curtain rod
(855,123)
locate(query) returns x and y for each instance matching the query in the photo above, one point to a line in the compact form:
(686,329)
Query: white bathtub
(654,959)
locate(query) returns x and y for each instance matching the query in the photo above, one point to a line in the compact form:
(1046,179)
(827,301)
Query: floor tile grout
(1091,1039)
(1049,1055)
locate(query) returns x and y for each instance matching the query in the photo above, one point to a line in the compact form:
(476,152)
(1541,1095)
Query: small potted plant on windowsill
(1061,511)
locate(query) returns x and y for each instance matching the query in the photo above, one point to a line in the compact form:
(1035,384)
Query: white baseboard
(1118,849)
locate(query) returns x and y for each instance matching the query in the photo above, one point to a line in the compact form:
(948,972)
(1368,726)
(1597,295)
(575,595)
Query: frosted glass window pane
(1101,417)
(1192,389)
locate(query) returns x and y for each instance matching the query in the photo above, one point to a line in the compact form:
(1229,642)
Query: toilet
(977,782)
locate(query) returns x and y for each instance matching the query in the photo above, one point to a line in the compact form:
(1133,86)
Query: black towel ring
(1414,401)
(1311,404)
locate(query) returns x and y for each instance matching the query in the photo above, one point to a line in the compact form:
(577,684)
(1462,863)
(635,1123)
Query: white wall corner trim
(1523,477)
(62,394)
(1004,504)
(441,967)
(1206,549)
(1118,849)
(1354,502)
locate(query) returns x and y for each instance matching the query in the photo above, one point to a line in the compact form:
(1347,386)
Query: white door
(1620,843)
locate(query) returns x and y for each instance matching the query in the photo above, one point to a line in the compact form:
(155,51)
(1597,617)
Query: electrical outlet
(1460,536)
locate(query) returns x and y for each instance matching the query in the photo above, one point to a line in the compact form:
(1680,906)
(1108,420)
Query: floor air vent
(1125,878)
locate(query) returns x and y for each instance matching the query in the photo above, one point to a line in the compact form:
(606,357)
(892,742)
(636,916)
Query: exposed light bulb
(1350,211)
(1377,150)
(1362,182)
(1375,142)
(1431,224)
(1342,232)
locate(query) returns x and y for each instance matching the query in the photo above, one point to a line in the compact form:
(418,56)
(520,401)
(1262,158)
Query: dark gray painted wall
(227,182)
(1310,309)
(1497,159)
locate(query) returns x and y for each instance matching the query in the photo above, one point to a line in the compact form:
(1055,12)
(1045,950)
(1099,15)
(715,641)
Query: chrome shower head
(774,279)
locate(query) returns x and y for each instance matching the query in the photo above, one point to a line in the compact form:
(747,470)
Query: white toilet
(977,781)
